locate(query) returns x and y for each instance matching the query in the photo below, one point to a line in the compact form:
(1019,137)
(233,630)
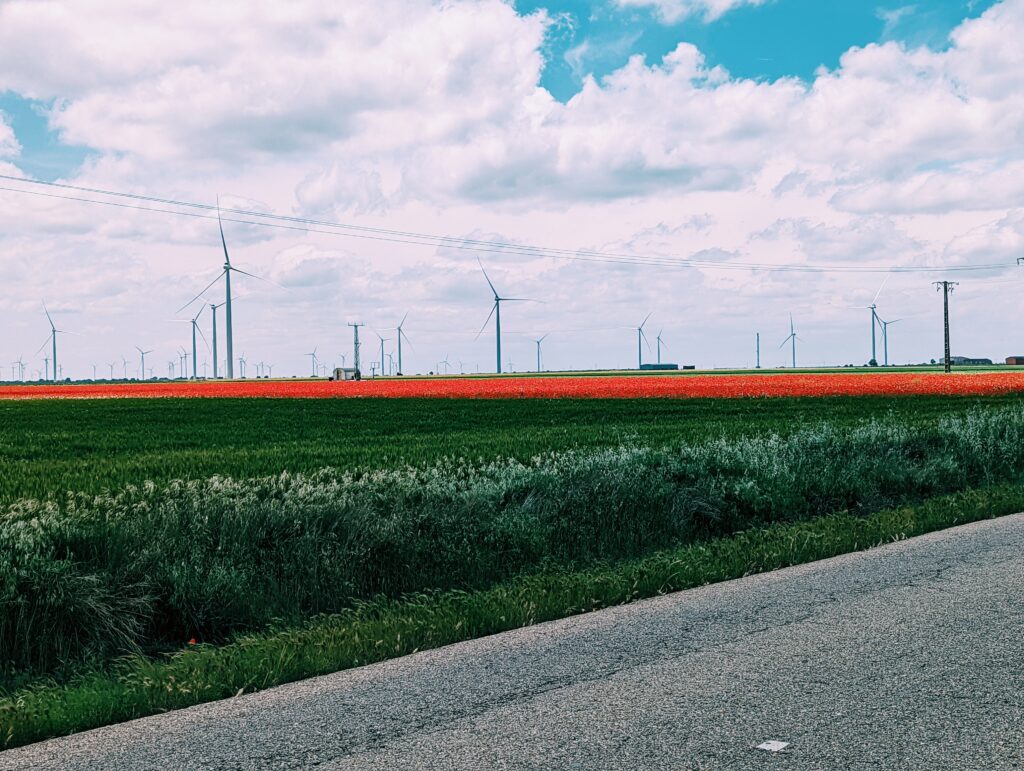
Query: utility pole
(874,348)
(355,347)
(758,351)
(213,312)
(946,287)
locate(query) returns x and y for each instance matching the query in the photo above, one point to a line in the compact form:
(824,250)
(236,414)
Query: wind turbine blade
(646,319)
(403,320)
(258,278)
(205,290)
(200,331)
(520,300)
(45,343)
(884,281)
(223,243)
(48,316)
(493,307)
(201,309)
(786,340)
(487,277)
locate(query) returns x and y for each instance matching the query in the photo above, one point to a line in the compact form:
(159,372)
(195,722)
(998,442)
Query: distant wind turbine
(792,338)
(226,275)
(142,365)
(401,334)
(496,312)
(875,321)
(382,341)
(641,338)
(885,337)
(538,342)
(312,358)
(52,339)
(660,344)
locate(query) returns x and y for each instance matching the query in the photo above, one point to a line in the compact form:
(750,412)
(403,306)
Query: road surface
(910,656)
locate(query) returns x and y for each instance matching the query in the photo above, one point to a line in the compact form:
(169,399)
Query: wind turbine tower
(885,337)
(143,353)
(791,339)
(641,338)
(51,339)
(401,334)
(660,343)
(496,312)
(382,341)
(538,342)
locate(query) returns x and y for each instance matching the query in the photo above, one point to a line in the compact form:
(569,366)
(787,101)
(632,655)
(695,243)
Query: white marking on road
(772,746)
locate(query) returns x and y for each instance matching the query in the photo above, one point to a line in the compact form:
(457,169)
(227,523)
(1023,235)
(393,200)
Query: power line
(308,225)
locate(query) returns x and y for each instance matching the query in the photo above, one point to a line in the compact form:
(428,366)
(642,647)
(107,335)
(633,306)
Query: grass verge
(383,629)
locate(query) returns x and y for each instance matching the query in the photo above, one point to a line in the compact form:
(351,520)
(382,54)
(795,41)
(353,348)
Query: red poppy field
(606,387)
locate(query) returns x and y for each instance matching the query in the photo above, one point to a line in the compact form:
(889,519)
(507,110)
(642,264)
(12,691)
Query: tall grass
(92,577)
(137,686)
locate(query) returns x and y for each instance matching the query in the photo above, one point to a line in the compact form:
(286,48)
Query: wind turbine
(51,339)
(382,341)
(641,338)
(20,364)
(660,343)
(226,275)
(496,312)
(885,337)
(401,334)
(241,365)
(111,365)
(791,339)
(538,342)
(875,321)
(195,328)
(143,353)
(312,357)
(213,314)
(124,363)
(446,364)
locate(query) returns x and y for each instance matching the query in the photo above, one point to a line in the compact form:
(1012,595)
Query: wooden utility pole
(946,287)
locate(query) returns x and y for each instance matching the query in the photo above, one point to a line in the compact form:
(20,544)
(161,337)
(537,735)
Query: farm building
(962,360)
(1015,361)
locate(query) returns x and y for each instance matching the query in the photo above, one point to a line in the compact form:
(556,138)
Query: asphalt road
(910,656)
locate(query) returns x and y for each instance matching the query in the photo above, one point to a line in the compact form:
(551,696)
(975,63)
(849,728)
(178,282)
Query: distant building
(968,361)
(345,373)
(1015,361)
(659,367)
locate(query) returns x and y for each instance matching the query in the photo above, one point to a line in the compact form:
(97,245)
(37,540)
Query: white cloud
(673,11)
(429,117)
(9,145)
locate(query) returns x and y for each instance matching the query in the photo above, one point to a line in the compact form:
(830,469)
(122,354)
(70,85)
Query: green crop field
(131,526)
(50,447)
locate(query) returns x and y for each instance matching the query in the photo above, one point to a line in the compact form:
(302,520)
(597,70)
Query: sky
(834,137)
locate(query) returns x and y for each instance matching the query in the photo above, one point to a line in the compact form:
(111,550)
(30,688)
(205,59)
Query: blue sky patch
(43,155)
(782,38)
